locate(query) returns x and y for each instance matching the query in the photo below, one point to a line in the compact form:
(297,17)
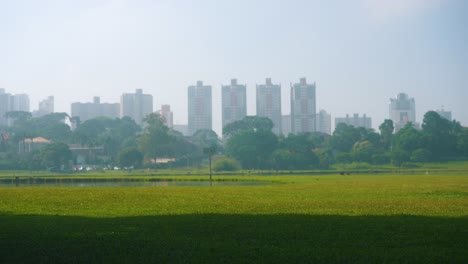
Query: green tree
(158,141)
(248,123)
(462,142)
(55,155)
(325,157)
(155,141)
(252,148)
(251,141)
(112,134)
(398,157)
(282,159)
(363,151)
(408,139)
(344,137)
(386,133)
(300,149)
(130,157)
(440,135)
(52,127)
(421,155)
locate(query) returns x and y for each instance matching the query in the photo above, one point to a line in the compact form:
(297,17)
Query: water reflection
(118,183)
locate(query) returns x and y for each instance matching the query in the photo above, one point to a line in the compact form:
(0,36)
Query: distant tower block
(234,102)
(402,111)
(269,103)
(303,116)
(199,108)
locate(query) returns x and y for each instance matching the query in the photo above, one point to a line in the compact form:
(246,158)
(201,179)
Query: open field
(358,218)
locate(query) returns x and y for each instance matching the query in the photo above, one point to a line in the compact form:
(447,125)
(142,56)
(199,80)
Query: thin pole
(211,181)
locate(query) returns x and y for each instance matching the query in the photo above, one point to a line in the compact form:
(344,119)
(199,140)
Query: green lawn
(345,219)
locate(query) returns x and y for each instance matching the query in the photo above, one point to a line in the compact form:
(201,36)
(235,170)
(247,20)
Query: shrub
(421,155)
(226,164)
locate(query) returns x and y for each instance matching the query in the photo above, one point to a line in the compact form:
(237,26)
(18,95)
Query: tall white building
(46,107)
(355,121)
(286,124)
(269,103)
(199,108)
(10,103)
(19,102)
(402,110)
(234,102)
(182,129)
(86,111)
(323,122)
(167,115)
(445,114)
(4,106)
(136,105)
(303,107)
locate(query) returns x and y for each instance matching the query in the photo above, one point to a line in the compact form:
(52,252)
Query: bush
(421,155)
(226,164)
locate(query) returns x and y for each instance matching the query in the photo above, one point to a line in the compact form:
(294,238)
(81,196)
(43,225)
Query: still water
(119,183)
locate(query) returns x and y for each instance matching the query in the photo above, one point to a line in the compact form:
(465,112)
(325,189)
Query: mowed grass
(345,219)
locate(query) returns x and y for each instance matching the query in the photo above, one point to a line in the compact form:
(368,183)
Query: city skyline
(402,108)
(360,53)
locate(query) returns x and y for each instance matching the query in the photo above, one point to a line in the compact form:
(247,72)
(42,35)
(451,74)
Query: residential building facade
(286,124)
(46,107)
(269,103)
(355,121)
(136,105)
(323,122)
(402,111)
(167,115)
(303,107)
(234,102)
(87,111)
(12,103)
(4,106)
(199,108)
(445,114)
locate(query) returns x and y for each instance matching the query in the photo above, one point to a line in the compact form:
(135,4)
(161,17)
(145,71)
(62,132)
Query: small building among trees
(29,145)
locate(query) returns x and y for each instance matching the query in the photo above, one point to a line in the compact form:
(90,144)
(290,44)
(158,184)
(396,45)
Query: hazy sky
(360,53)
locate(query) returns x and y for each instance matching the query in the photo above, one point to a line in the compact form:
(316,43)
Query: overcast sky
(360,53)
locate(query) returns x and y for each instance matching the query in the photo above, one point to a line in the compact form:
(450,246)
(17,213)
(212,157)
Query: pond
(31,182)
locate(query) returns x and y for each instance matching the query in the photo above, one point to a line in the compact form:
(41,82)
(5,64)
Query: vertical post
(211,180)
(210,151)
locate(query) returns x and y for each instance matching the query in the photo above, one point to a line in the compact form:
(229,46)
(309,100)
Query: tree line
(248,143)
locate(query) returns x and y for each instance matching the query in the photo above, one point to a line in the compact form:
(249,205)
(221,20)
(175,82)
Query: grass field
(345,219)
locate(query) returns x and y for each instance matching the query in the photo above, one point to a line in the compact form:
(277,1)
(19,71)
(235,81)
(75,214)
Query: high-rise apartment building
(323,120)
(445,114)
(269,103)
(4,106)
(402,111)
(182,129)
(286,125)
(167,115)
(136,105)
(234,102)
(199,108)
(355,121)
(10,103)
(303,107)
(86,111)
(46,107)
(19,102)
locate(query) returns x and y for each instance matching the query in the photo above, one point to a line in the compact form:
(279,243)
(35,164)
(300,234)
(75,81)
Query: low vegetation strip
(357,218)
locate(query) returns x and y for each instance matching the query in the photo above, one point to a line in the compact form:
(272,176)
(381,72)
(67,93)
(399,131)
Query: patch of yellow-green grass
(356,218)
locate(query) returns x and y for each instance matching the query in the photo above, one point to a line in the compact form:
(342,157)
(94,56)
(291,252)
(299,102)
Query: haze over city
(359,53)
